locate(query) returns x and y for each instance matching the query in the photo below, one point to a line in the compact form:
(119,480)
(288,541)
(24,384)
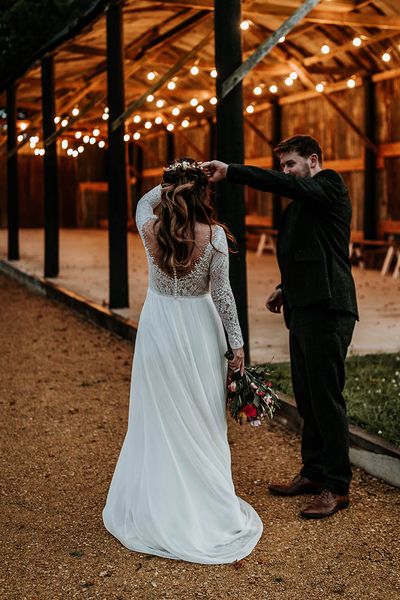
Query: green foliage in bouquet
(251,396)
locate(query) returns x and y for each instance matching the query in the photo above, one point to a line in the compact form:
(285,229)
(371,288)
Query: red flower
(260,393)
(249,410)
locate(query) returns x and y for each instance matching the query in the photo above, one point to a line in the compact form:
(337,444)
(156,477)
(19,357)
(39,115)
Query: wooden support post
(370,163)
(117,189)
(12,175)
(230,147)
(212,143)
(170,147)
(276,114)
(51,199)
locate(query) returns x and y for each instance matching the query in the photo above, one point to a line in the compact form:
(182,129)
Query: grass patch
(372,392)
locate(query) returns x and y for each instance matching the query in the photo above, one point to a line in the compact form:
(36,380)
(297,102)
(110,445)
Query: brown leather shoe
(325,505)
(299,485)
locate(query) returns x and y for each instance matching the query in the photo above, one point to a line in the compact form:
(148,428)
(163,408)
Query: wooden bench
(386,229)
(262,226)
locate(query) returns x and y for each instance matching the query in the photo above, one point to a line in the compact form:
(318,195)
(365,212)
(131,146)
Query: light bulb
(92,140)
(64,144)
(200,108)
(170,126)
(148,124)
(244,25)
(185,123)
(213,100)
(351,83)
(75,112)
(101,144)
(64,122)
(273,88)
(57,120)
(194,102)
(171,85)
(175,111)
(386,57)
(213,73)
(158,120)
(127,137)
(282,39)
(136,135)
(288,81)
(194,70)
(80,149)
(150,98)
(257,90)
(160,103)
(104,116)
(78,134)
(137,119)
(293,75)
(250,108)
(325,49)
(357,42)
(319,87)
(151,75)
(86,139)
(96,132)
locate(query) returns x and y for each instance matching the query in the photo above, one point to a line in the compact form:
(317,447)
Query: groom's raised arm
(322,188)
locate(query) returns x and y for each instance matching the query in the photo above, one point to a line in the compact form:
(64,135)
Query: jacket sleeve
(323,188)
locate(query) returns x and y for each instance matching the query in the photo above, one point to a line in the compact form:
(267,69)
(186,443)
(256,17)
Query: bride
(172,493)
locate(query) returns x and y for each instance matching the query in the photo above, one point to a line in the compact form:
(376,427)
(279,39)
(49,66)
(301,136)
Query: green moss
(372,392)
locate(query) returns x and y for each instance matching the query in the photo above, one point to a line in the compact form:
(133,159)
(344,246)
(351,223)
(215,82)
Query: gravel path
(64,389)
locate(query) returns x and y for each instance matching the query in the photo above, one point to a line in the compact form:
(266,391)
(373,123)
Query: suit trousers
(319,339)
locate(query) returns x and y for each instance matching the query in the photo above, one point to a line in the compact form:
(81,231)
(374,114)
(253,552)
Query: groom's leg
(311,441)
(326,336)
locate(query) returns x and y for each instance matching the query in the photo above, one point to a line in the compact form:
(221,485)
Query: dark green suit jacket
(314,235)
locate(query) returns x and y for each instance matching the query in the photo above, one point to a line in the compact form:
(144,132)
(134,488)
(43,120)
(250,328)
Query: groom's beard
(306,171)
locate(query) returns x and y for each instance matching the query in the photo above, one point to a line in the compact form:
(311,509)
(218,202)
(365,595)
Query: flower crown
(183,165)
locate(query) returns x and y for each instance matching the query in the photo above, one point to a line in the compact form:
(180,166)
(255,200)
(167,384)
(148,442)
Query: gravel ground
(64,389)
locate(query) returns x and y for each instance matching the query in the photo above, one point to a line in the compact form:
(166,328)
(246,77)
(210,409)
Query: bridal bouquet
(251,396)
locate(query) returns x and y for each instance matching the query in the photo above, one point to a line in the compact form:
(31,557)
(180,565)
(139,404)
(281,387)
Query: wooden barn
(88,125)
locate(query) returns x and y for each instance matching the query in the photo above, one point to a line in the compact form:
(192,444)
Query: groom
(318,297)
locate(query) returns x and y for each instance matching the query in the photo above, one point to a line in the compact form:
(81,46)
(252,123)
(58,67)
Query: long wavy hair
(185,200)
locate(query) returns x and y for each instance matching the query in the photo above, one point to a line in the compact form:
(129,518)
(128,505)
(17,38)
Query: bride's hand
(237,362)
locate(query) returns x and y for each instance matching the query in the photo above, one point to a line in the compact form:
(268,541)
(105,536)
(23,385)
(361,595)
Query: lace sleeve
(144,211)
(221,291)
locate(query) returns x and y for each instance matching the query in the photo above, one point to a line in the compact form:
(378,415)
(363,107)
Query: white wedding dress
(172,493)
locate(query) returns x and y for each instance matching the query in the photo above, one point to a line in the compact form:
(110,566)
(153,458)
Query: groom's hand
(274,301)
(215,170)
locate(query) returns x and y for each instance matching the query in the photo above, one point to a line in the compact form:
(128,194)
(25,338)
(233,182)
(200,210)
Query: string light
(213,73)
(150,98)
(37,151)
(69,151)
(200,108)
(195,70)
(351,83)
(148,124)
(357,42)
(96,132)
(257,90)
(185,123)
(23,126)
(213,100)
(281,39)
(194,102)
(250,108)
(175,111)
(57,120)
(136,136)
(92,140)
(325,49)
(101,144)
(273,88)
(158,120)
(41,151)
(137,119)
(170,126)
(64,122)
(160,103)
(64,144)
(20,138)
(127,137)
(319,87)
(171,85)
(86,139)
(386,57)
(104,116)
(75,153)
(81,149)
(293,75)
(244,25)
(78,134)
(151,75)
(75,111)
(288,81)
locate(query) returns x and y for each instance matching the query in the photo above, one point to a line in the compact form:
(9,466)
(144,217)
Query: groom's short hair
(305,145)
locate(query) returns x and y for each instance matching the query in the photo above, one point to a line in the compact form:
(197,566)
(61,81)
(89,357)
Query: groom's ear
(313,158)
